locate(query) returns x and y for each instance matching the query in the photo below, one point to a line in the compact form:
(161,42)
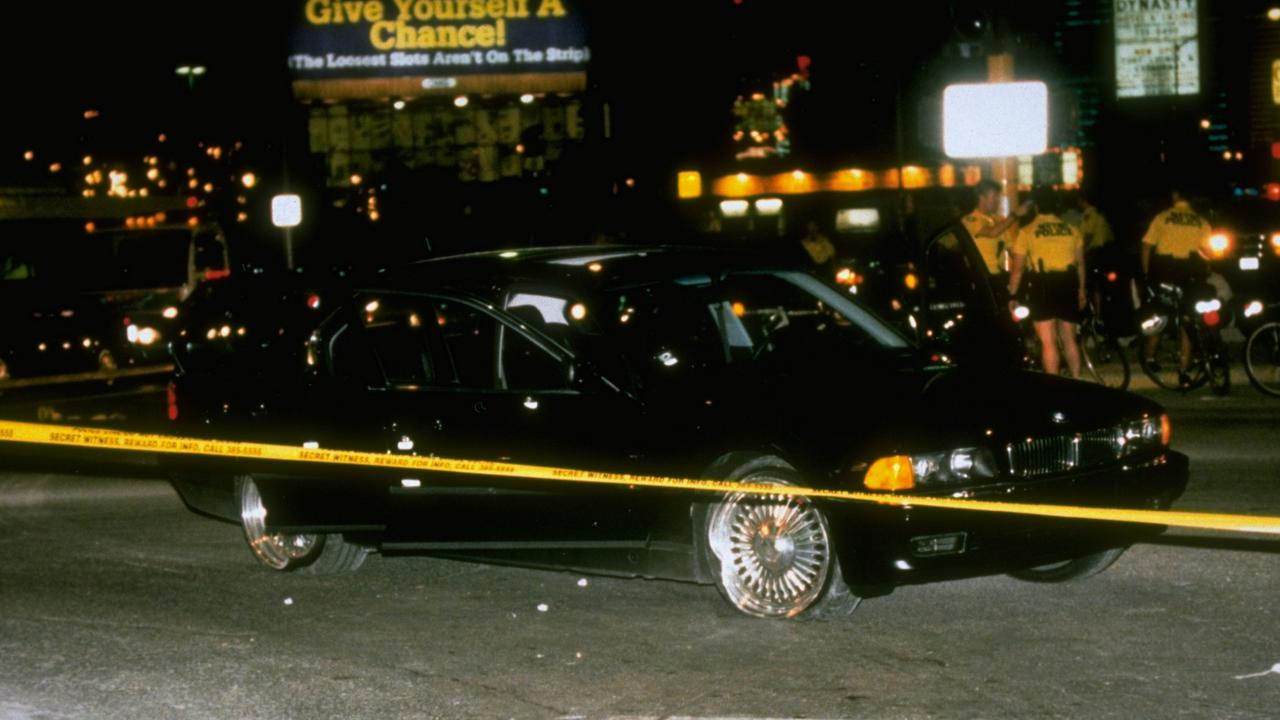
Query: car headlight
(1145,434)
(954,466)
(141,335)
(903,472)
(1253,308)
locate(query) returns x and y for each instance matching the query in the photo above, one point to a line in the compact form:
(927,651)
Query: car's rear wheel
(772,556)
(1074,569)
(311,553)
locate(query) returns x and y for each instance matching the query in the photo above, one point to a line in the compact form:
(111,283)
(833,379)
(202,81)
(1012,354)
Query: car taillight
(1212,318)
(172,398)
(216,274)
(313,301)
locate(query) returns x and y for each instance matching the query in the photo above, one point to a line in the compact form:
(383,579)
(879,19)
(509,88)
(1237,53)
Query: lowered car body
(662,361)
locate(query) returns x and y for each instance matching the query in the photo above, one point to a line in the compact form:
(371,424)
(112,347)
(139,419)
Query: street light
(190,72)
(1273,14)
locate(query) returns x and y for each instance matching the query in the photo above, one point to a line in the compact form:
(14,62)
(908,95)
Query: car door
(956,312)
(450,395)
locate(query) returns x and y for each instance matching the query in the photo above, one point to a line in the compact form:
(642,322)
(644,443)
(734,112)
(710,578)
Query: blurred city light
(249,179)
(769,206)
(1273,14)
(689,184)
(461,101)
(399,104)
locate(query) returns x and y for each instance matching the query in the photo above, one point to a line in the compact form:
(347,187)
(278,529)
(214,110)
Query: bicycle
(1102,360)
(1199,313)
(1262,352)
(1101,357)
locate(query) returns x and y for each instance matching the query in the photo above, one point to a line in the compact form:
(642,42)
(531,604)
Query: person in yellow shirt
(1175,241)
(1054,252)
(993,235)
(1172,238)
(1094,228)
(818,245)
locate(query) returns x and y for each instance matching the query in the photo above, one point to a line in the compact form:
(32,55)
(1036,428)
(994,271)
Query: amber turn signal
(890,473)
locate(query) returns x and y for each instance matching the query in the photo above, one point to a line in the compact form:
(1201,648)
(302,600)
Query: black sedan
(671,362)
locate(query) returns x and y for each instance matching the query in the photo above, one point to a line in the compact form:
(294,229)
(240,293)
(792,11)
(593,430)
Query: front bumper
(885,546)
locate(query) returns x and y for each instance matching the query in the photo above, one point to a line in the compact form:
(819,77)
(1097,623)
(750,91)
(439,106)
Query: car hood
(883,409)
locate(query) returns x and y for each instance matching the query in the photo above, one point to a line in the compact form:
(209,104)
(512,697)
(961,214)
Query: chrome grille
(1061,453)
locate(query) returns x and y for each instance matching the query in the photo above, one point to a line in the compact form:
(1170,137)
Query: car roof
(583,268)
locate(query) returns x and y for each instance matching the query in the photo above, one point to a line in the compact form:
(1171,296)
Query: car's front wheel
(1074,569)
(772,556)
(311,553)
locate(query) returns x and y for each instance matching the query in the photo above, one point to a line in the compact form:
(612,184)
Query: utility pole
(1000,69)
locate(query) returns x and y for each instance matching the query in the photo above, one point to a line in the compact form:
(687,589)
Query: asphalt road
(116,602)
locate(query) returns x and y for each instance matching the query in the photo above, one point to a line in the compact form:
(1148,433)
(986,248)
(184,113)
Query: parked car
(664,361)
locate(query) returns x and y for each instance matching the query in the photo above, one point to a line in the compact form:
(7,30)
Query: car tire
(1074,569)
(313,554)
(795,574)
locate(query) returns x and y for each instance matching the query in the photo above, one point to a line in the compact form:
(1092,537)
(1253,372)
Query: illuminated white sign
(995,119)
(1156,48)
(734,208)
(286,211)
(855,219)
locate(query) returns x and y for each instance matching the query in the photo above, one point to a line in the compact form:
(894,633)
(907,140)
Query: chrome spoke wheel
(774,552)
(275,550)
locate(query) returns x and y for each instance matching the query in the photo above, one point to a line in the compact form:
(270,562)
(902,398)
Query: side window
(470,343)
(767,310)
(350,358)
(395,331)
(954,280)
(959,305)
(525,366)
(665,329)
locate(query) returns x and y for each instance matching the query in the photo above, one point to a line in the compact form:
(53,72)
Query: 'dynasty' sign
(339,39)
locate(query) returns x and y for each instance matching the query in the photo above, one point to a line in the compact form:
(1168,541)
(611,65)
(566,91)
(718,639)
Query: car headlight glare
(933,469)
(1253,308)
(1145,434)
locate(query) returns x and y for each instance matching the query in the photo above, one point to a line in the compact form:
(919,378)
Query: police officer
(992,235)
(1174,242)
(1054,251)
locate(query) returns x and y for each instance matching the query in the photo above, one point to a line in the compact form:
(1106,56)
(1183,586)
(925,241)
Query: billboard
(373,48)
(1157,48)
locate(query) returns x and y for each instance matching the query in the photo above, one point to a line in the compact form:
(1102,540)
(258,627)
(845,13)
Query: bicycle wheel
(1104,360)
(1163,365)
(1217,363)
(1262,358)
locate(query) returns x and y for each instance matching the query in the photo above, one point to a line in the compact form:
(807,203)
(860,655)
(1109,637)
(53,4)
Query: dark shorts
(1175,271)
(1054,296)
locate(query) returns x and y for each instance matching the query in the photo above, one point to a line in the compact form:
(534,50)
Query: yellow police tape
(17,432)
